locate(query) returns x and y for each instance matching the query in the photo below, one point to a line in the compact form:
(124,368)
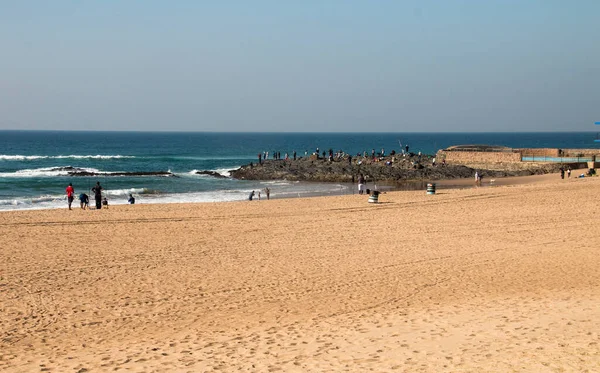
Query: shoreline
(350,189)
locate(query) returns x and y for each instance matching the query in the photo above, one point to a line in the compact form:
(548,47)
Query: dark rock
(211,173)
(388,169)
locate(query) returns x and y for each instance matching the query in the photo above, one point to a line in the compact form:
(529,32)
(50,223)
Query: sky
(300,66)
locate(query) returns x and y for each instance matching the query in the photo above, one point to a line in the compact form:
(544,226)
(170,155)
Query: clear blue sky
(493,65)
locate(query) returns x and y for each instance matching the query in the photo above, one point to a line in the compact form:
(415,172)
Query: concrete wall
(539,152)
(549,152)
(459,157)
(581,152)
(474,157)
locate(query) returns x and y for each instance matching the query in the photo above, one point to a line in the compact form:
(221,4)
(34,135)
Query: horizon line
(289,132)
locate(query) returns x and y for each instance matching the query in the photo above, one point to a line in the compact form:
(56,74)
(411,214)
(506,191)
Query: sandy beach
(496,279)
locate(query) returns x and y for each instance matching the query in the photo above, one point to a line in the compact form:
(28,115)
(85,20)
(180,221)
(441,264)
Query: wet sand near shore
(508,180)
(468,280)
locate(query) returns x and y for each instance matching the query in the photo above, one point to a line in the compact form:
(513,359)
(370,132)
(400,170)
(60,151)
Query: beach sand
(493,279)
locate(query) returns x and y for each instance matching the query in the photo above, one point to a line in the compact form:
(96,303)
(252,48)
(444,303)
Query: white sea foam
(119,197)
(41,202)
(126,192)
(45,172)
(149,196)
(225,171)
(220,171)
(279,182)
(59,171)
(6,157)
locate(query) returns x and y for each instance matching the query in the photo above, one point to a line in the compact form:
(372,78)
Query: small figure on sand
(84,200)
(361,184)
(97,189)
(562,173)
(568,172)
(251,196)
(70,191)
(105,202)
(131,199)
(268,192)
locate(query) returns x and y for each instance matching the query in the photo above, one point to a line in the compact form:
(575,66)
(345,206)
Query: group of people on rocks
(334,156)
(84,199)
(263,156)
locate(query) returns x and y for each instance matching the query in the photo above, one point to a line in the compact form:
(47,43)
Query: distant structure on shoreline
(500,156)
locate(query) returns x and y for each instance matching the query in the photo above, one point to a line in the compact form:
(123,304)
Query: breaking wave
(46,172)
(5,157)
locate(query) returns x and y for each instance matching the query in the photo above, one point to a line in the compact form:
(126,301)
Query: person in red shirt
(70,194)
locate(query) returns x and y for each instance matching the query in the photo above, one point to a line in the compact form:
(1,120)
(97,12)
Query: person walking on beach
(250,196)
(70,192)
(131,199)
(568,172)
(97,189)
(562,173)
(268,192)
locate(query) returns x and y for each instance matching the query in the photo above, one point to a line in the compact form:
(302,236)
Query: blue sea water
(31,162)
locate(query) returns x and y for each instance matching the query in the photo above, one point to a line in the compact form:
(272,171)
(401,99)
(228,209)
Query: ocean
(34,165)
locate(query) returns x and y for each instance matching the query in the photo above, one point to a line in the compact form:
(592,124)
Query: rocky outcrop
(388,169)
(211,173)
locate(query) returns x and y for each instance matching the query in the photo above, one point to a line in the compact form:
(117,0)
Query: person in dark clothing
(131,200)
(84,200)
(361,184)
(97,189)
